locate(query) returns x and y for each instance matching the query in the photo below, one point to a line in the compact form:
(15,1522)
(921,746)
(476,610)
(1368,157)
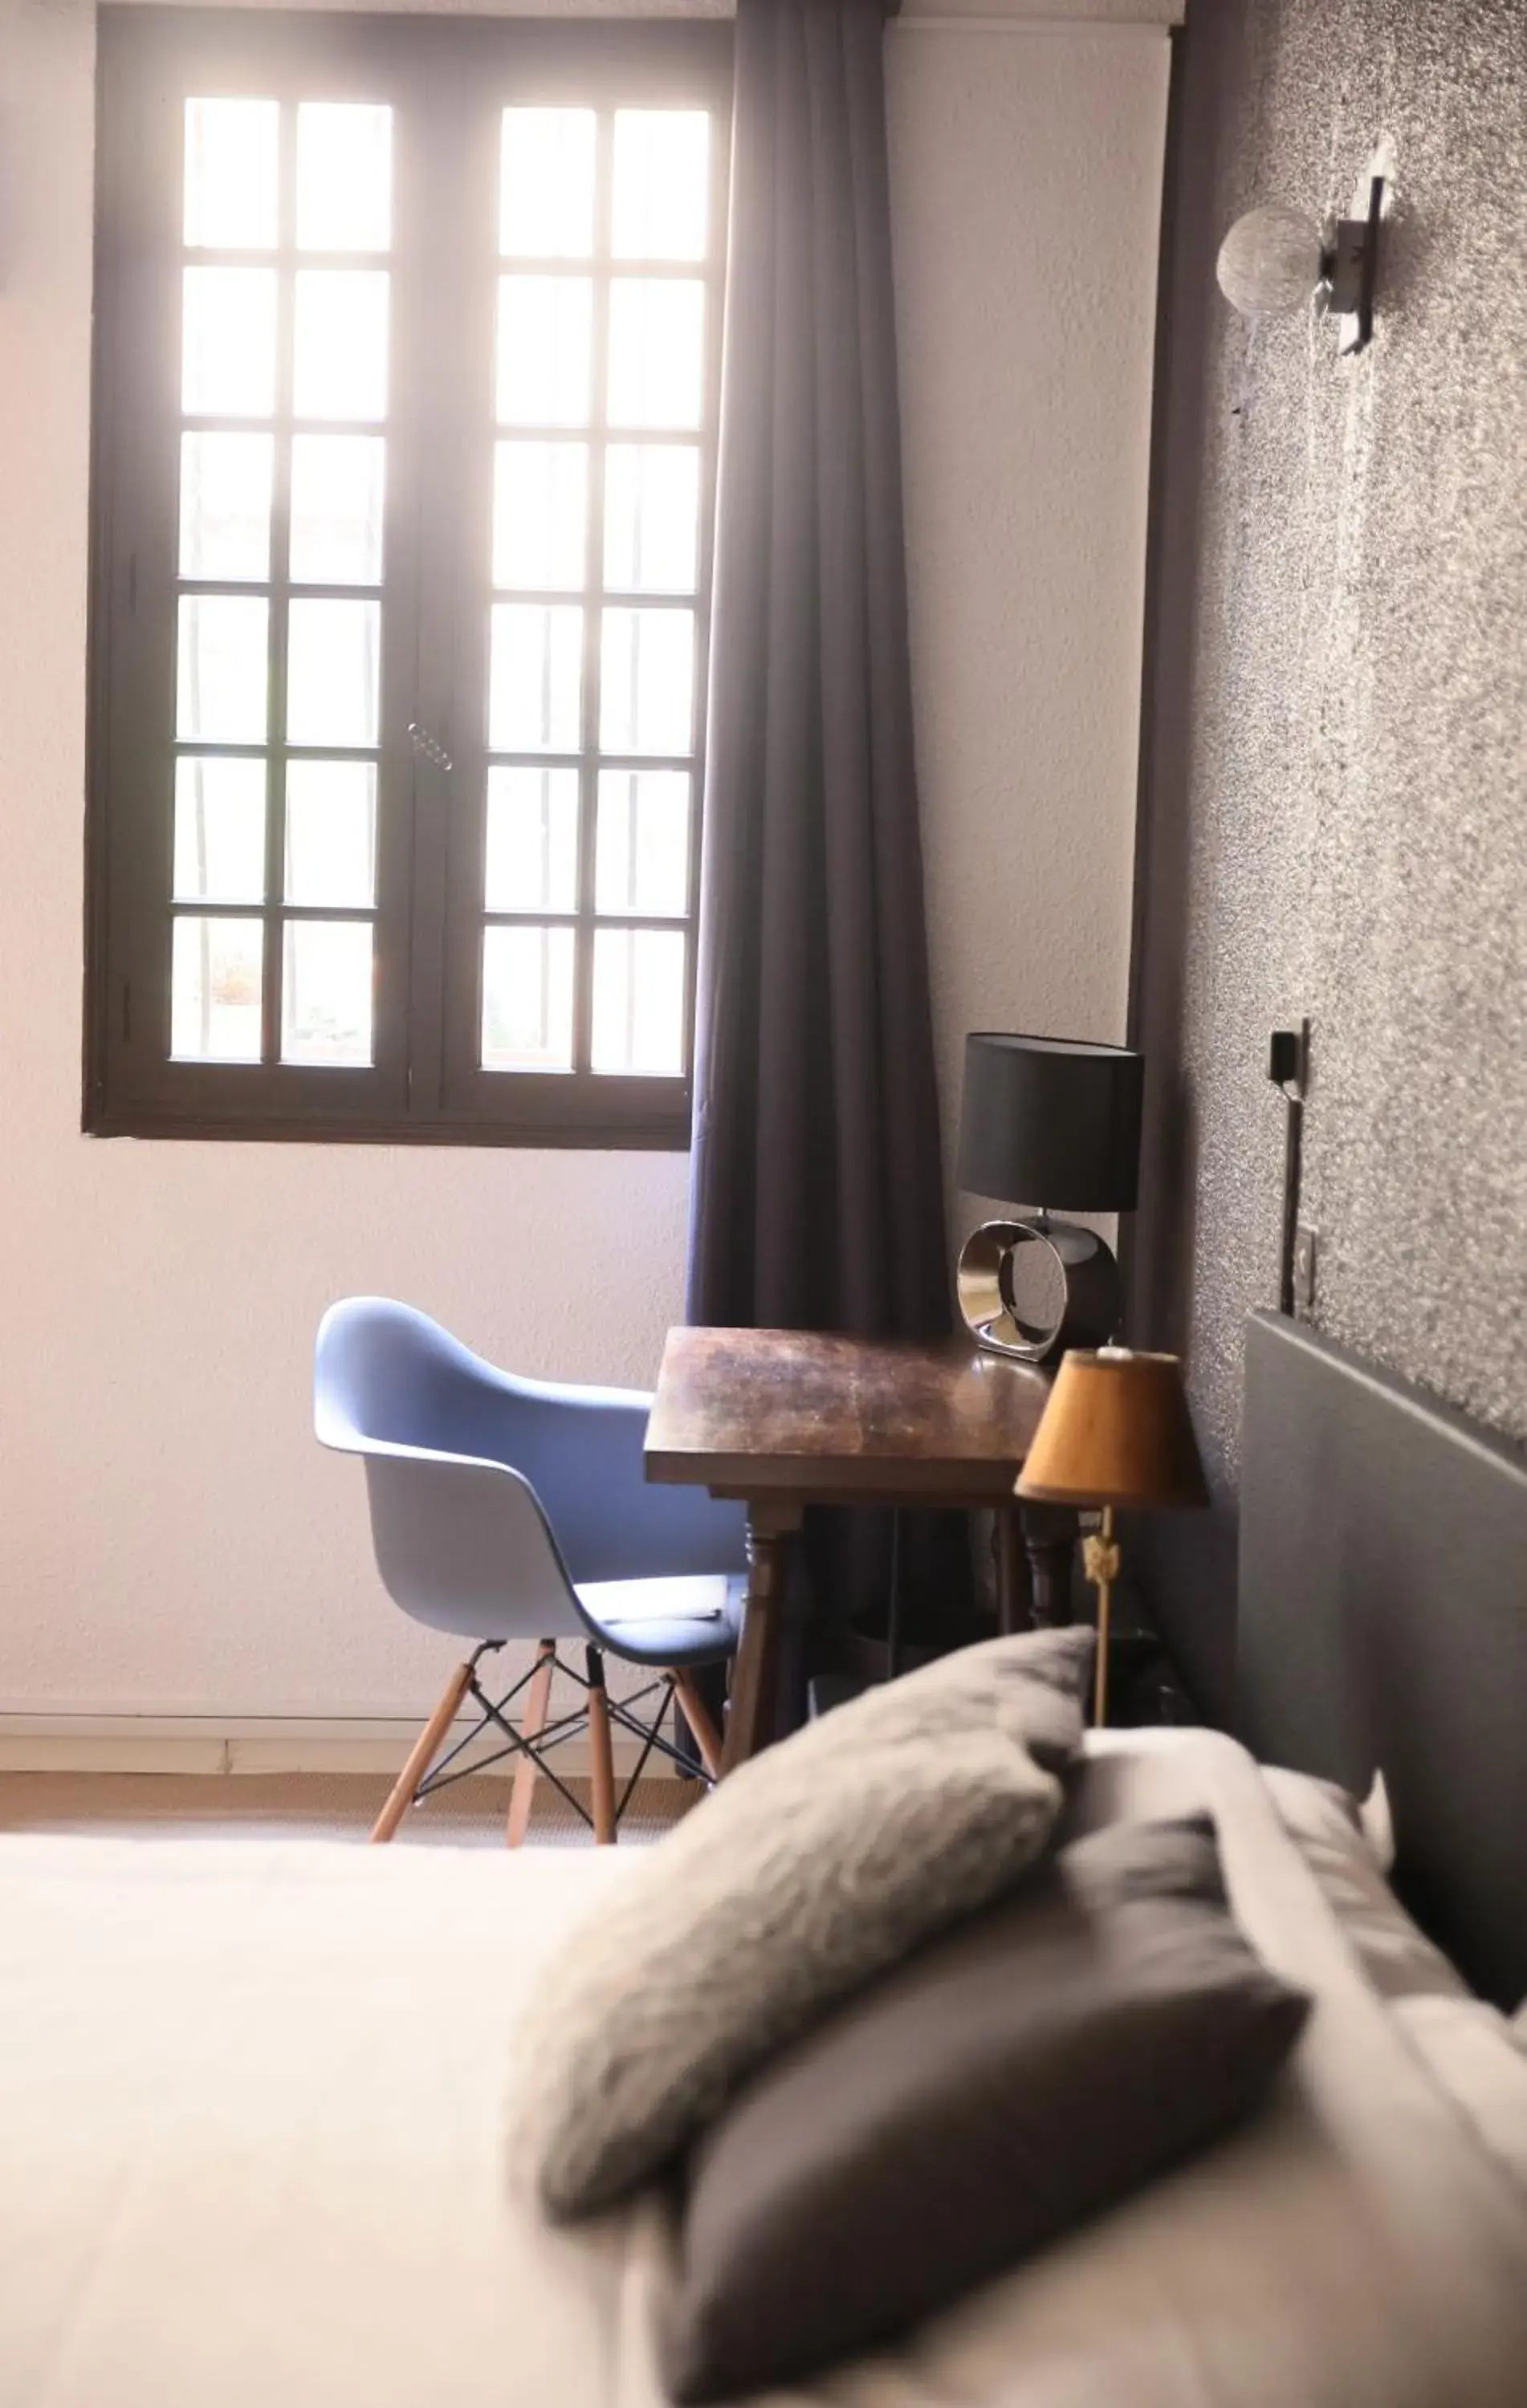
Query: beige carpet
(311,1806)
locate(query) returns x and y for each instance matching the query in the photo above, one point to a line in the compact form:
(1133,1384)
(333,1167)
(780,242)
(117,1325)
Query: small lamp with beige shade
(1115,1431)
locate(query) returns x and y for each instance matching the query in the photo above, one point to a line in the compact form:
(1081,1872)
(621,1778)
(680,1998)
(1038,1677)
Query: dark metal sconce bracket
(1350,268)
(1288,1067)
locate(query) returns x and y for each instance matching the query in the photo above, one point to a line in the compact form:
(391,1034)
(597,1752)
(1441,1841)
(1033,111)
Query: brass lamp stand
(1099,1562)
(1115,1431)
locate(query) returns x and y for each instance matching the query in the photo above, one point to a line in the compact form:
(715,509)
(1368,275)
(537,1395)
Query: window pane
(327,993)
(231,149)
(535,678)
(639,1001)
(339,356)
(338,486)
(543,350)
(546,185)
(539,505)
(646,681)
(331,832)
(642,849)
(652,518)
(333,672)
(662,169)
(228,343)
(656,352)
(527,999)
(344,177)
(221,680)
(225,506)
(220,831)
(214,984)
(531,861)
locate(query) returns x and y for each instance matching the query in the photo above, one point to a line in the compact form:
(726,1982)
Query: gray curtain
(817,1197)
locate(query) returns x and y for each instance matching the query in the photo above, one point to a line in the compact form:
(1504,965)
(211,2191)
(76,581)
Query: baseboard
(210,1743)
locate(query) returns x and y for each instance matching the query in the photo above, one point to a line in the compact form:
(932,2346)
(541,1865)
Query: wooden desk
(783,1419)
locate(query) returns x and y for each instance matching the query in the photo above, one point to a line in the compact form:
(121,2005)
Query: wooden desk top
(754,1412)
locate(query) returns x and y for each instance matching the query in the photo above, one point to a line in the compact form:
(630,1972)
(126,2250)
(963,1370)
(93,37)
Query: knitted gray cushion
(807,1871)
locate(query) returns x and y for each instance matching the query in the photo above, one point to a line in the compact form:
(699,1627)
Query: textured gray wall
(1335,813)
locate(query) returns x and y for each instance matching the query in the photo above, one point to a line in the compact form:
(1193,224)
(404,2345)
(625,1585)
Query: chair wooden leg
(531,1728)
(426,1748)
(601,1765)
(707,1737)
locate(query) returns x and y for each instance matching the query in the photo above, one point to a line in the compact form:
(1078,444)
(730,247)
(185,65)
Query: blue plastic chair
(506,1508)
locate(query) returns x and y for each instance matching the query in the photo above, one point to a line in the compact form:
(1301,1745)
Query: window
(408,341)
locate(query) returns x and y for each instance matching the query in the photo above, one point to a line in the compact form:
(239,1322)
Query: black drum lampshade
(1052,1123)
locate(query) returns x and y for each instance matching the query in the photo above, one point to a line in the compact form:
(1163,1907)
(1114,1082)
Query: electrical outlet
(1304,1251)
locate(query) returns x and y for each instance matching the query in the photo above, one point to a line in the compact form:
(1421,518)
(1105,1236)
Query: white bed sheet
(250,2130)
(250,2154)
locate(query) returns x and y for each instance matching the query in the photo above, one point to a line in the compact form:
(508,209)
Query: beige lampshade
(1116,1431)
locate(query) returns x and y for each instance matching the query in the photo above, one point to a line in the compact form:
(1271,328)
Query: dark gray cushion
(1008,2081)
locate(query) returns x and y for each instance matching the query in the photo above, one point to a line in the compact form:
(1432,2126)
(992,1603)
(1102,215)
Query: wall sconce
(1272,259)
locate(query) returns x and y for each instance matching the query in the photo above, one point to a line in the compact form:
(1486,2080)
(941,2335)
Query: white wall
(170,1537)
(1026,161)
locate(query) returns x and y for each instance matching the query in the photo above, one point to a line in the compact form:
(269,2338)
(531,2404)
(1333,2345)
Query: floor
(311,1806)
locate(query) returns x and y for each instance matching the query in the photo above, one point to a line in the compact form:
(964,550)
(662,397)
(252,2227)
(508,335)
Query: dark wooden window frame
(449,81)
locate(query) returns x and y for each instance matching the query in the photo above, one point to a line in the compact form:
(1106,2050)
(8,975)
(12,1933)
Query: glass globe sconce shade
(1273,260)
(1269,262)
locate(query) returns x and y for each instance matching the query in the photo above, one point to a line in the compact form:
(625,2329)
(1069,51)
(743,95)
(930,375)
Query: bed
(251,2151)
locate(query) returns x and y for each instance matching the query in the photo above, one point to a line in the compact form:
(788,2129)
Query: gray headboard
(1383,1626)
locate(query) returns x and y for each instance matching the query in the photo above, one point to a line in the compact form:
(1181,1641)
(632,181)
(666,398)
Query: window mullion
(593,585)
(438,352)
(280,594)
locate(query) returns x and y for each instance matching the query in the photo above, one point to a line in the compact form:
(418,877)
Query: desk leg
(1049,1540)
(753,1703)
(1015,1593)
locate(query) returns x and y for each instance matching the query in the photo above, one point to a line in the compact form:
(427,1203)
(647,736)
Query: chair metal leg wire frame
(532,1742)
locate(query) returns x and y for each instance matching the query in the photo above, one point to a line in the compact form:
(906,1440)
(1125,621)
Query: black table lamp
(1048,1122)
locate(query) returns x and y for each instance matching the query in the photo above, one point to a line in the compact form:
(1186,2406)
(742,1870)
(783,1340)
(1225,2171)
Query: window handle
(428,748)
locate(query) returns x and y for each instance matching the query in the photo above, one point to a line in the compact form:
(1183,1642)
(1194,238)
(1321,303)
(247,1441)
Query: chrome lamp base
(1089,1287)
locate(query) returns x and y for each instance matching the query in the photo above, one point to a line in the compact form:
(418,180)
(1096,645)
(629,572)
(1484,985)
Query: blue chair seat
(690,1621)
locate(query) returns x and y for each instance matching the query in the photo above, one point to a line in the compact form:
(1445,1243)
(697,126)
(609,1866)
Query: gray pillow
(808,1870)
(1016,2077)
